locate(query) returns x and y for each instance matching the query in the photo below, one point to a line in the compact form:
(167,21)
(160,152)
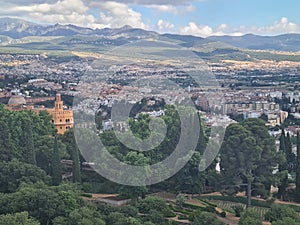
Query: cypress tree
(283,166)
(27,142)
(202,140)
(76,165)
(282,141)
(290,157)
(73,150)
(298,168)
(56,164)
(6,150)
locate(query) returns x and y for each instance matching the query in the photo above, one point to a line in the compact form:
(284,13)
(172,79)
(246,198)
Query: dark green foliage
(17,219)
(6,147)
(42,202)
(283,166)
(156,217)
(279,212)
(204,218)
(264,117)
(238,209)
(298,169)
(248,157)
(237,117)
(129,210)
(207,208)
(26,136)
(56,164)
(14,173)
(180,199)
(73,150)
(223,214)
(290,156)
(27,142)
(282,146)
(44,152)
(183,217)
(250,217)
(153,203)
(285,221)
(80,216)
(242,200)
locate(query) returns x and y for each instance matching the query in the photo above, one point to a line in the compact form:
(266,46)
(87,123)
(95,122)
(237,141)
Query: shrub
(209,208)
(88,195)
(183,217)
(168,213)
(223,214)
(250,217)
(238,209)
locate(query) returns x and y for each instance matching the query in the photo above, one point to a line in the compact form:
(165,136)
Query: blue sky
(198,17)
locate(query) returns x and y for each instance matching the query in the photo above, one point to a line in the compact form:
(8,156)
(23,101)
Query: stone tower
(62,119)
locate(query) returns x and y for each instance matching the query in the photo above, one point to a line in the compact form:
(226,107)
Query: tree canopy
(248,158)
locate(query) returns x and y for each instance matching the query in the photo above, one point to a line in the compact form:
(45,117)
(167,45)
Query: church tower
(62,118)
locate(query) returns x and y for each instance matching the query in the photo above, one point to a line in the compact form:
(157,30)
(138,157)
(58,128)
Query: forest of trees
(33,191)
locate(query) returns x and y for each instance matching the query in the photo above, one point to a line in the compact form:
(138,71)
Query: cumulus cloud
(281,26)
(112,14)
(116,14)
(194,29)
(177,10)
(164,8)
(278,27)
(65,11)
(163,25)
(137,2)
(60,7)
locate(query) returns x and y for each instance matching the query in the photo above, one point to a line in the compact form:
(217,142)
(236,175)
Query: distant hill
(285,42)
(17,28)
(19,32)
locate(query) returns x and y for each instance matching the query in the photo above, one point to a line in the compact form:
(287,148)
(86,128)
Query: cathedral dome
(17,100)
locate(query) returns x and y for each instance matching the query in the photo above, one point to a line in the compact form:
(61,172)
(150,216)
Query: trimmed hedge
(208,208)
(242,200)
(88,195)
(183,217)
(208,202)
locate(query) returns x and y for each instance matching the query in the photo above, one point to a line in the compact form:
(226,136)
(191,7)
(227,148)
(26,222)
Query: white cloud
(278,27)
(62,11)
(116,14)
(164,8)
(190,8)
(194,29)
(93,2)
(177,10)
(64,7)
(281,26)
(163,25)
(113,14)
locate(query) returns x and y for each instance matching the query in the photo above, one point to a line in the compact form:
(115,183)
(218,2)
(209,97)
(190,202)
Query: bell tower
(58,103)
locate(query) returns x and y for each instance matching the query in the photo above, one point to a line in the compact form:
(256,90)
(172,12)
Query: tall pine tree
(298,169)
(73,150)
(248,157)
(76,165)
(56,164)
(290,156)
(6,150)
(283,167)
(27,142)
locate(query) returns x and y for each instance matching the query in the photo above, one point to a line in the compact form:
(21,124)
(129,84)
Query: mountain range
(19,31)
